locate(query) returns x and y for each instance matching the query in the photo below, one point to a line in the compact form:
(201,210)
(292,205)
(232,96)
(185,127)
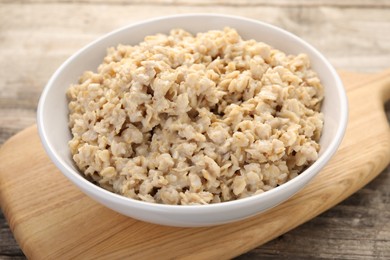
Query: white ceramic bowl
(55,134)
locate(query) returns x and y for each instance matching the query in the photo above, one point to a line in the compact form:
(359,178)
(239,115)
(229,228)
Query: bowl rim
(77,178)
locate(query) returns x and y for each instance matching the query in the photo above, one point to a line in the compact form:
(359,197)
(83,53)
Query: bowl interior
(53,111)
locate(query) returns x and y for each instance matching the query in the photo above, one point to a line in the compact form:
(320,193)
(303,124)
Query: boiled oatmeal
(195,119)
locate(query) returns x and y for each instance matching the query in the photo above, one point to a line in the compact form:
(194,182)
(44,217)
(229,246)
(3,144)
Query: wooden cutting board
(51,218)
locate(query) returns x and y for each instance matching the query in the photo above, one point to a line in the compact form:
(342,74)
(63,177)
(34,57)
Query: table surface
(36,36)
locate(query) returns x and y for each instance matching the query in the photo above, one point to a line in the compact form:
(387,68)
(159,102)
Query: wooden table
(36,36)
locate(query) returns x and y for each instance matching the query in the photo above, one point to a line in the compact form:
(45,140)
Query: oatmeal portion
(195,119)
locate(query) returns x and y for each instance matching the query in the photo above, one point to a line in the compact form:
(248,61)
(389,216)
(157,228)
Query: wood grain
(47,212)
(277,3)
(36,36)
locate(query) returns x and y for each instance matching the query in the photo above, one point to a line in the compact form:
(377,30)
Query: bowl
(52,119)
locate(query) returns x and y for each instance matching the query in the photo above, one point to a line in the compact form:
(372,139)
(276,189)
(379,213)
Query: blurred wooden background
(36,36)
